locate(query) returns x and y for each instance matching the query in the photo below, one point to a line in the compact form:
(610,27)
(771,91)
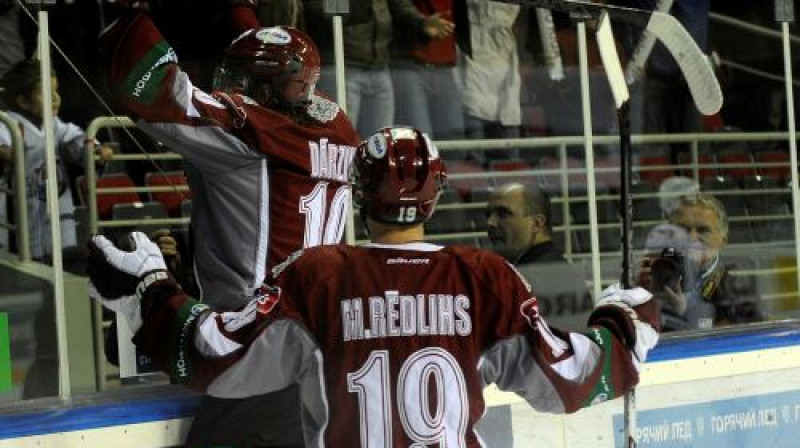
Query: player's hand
(106,152)
(118,278)
(632,315)
(169,248)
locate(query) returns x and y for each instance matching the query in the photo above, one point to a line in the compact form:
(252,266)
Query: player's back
(402,330)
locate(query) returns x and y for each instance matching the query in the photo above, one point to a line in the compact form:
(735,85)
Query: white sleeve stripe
(260,268)
(211,342)
(582,362)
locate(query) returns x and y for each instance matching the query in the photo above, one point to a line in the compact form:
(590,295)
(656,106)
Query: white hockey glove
(632,316)
(118,279)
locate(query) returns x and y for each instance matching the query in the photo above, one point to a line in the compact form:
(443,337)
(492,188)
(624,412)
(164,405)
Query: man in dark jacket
(518,222)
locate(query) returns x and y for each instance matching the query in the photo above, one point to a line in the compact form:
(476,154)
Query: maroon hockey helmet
(398,176)
(282,58)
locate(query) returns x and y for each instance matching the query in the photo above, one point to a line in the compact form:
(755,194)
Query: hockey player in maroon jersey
(267,160)
(391,343)
(267,157)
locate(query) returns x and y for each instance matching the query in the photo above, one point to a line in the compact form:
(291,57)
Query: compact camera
(667,269)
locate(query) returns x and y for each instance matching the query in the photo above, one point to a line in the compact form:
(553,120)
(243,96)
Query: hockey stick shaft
(635,69)
(619,89)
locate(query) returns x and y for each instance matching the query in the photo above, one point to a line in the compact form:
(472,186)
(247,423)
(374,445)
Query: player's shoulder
(475,255)
(308,259)
(486,263)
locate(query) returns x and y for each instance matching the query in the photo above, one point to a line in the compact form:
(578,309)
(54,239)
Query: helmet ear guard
(398,176)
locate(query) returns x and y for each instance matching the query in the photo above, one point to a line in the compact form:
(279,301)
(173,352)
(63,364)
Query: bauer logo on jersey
(274,36)
(377,146)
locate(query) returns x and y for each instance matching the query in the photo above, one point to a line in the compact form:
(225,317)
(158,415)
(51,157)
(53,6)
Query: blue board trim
(64,419)
(736,341)
(182,405)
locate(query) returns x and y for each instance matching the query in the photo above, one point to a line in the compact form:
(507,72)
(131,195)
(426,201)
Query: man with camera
(686,272)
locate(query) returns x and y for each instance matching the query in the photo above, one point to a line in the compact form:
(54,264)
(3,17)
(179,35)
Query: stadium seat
(651,169)
(509,166)
(778,172)
(608,240)
(609,177)
(705,162)
(551,182)
(105,201)
(646,205)
(172,199)
(143,211)
(606,211)
(449,220)
(745,159)
(463,176)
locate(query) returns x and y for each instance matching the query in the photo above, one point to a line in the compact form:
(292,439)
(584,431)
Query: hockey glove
(119,279)
(631,315)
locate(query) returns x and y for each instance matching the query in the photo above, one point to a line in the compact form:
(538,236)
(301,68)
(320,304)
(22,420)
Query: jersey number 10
(322,229)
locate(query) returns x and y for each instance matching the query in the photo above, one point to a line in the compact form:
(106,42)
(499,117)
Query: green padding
(5,354)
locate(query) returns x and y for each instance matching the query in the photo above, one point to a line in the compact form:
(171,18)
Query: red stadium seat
(705,163)
(508,166)
(178,193)
(779,172)
(745,159)
(106,201)
(464,176)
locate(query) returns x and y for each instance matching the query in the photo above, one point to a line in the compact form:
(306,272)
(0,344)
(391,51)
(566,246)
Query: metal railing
(562,172)
(20,227)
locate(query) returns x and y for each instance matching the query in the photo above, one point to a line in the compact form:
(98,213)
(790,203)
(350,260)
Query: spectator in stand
(425,77)
(398,355)
(12,46)
(490,77)
(268,166)
(368,38)
(518,226)
(23,94)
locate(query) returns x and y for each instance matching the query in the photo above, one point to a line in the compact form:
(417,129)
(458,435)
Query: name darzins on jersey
(331,161)
(393,315)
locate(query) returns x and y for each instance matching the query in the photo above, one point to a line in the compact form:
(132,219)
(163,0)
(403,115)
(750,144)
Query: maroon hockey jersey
(263,184)
(391,345)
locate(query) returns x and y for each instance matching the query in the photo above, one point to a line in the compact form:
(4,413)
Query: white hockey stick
(635,69)
(552,54)
(619,89)
(694,65)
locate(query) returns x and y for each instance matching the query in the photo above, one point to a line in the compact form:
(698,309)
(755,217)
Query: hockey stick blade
(697,72)
(636,64)
(610,58)
(694,65)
